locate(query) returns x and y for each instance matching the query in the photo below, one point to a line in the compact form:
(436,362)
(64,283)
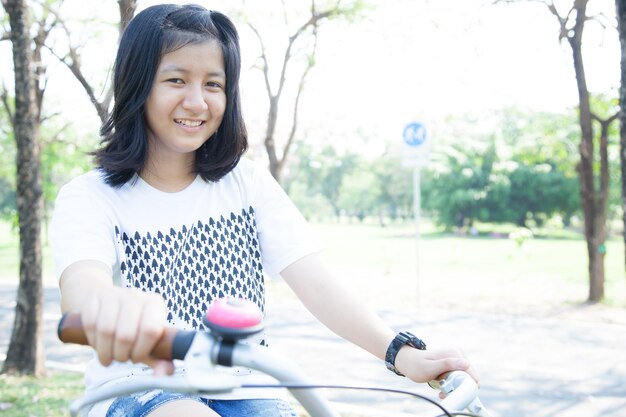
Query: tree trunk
(596,288)
(275,164)
(25,354)
(594,216)
(621,25)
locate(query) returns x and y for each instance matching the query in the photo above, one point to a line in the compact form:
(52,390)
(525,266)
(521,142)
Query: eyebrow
(176,68)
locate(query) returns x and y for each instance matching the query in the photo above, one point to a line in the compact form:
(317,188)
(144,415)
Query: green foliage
(61,159)
(395,187)
(326,183)
(359,193)
(524,174)
(320,173)
(539,192)
(63,156)
(351,12)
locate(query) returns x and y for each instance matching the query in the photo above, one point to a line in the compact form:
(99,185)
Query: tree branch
(4,96)
(72,62)
(55,137)
(564,31)
(312,22)
(43,30)
(606,121)
(127,11)
(72,59)
(50,116)
(294,125)
(265,67)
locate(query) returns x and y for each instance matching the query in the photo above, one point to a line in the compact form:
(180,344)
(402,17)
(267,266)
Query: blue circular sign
(414,134)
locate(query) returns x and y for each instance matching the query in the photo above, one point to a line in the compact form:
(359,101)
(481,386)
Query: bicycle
(229,321)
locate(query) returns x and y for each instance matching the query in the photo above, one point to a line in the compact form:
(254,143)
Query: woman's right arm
(121,324)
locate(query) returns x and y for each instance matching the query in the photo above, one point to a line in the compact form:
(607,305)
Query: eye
(175,81)
(214,85)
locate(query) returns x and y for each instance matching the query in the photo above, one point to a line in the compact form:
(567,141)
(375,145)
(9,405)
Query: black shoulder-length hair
(152,33)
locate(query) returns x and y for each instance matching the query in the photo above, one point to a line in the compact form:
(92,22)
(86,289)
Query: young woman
(173,218)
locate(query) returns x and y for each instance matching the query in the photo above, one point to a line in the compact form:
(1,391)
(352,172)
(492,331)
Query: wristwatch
(401,339)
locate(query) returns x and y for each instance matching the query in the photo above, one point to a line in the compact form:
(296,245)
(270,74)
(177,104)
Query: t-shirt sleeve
(284,234)
(80,228)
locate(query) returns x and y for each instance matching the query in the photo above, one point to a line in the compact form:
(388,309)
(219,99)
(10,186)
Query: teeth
(189,123)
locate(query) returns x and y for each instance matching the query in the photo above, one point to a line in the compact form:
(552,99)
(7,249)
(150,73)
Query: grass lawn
(38,397)
(476,273)
(383,263)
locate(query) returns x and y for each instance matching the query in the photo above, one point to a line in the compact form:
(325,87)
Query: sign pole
(417,211)
(416,155)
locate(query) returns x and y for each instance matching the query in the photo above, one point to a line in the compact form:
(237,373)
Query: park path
(570,363)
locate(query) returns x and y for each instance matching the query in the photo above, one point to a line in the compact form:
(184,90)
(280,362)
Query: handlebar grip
(173,344)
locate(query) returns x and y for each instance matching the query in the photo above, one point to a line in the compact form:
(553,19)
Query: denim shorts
(141,404)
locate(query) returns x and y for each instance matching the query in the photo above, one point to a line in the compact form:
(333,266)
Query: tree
(620,6)
(456,185)
(593,197)
(593,201)
(305,35)
(395,188)
(25,353)
(322,173)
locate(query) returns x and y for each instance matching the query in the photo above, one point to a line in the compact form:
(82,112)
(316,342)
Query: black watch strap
(401,339)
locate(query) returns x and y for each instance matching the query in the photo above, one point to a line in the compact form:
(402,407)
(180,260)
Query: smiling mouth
(189,123)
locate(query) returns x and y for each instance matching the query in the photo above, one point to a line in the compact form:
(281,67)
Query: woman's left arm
(343,313)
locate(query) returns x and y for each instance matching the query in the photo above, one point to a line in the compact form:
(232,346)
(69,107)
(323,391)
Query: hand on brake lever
(425,365)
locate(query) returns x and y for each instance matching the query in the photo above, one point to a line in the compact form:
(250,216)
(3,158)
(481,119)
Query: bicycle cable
(379,389)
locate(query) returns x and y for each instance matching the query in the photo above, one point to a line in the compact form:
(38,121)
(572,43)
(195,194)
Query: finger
(151,327)
(440,367)
(126,332)
(459,363)
(474,374)
(444,353)
(161,367)
(105,333)
(89,318)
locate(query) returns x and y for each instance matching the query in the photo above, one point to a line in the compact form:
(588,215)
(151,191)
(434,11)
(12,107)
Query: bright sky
(411,60)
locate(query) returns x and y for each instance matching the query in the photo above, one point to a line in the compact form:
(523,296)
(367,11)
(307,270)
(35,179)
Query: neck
(167,184)
(170,177)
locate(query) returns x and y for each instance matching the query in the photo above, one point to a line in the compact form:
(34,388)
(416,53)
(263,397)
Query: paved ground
(569,363)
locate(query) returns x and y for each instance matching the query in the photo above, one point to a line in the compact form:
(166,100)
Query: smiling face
(186,103)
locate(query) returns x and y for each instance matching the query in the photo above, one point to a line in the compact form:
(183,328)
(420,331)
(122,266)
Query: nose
(194,99)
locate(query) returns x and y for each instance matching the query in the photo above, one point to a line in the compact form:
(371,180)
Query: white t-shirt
(210,240)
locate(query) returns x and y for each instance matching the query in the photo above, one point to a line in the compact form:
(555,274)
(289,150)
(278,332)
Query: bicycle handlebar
(173,344)
(202,351)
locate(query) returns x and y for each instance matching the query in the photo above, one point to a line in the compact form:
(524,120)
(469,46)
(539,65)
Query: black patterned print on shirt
(192,266)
